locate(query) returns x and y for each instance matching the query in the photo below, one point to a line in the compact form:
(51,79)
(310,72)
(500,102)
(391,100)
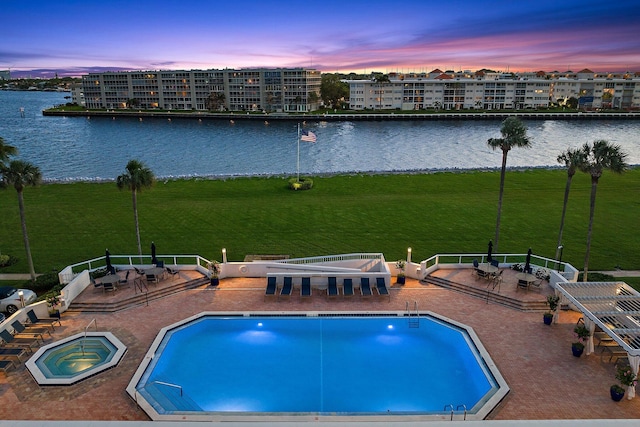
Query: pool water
(75,358)
(324,365)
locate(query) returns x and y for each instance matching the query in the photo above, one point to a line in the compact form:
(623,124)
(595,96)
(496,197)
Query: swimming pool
(329,365)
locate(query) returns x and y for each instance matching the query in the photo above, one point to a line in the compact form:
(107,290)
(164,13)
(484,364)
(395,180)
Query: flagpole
(298,167)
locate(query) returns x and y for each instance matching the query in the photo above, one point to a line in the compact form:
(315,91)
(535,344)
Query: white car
(10,298)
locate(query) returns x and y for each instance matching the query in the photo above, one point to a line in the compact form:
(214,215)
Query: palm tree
(514,134)
(381,80)
(6,151)
(20,174)
(598,157)
(137,177)
(572,159)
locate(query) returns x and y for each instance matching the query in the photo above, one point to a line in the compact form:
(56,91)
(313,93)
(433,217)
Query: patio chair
(151,278)
(32,331)
(305,287)
(11,341)
(172,272)
(332,287)
(125,281)
(365,287)
(287,287)
(495,263)
(381,287)
(96,285)
(50,321)
(271,287)
(108,287)
(138,271)
(160,264)
(347,287)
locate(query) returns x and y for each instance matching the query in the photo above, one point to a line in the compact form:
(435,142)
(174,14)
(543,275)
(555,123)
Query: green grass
(432,213)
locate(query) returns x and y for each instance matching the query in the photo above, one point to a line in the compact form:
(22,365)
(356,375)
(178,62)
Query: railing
(169,385)
(95,323)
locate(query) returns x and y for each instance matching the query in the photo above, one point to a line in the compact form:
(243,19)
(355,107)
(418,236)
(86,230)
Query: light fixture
(224,255)
(408,254)
(21,295)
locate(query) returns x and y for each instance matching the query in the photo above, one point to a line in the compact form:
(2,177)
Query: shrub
(7,260)
(44,283)
(301,184)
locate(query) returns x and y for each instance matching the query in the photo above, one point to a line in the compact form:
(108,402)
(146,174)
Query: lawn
(431,213)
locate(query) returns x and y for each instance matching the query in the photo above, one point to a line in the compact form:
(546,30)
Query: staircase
(139,298)
(488,295)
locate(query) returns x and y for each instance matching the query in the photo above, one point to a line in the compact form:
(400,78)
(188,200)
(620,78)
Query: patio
(546,381)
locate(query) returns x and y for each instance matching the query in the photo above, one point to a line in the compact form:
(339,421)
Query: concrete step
(488,295)
(139,298)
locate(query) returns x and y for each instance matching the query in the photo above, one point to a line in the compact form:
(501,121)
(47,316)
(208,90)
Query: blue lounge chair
(381,286)
(271,287)
(347,287)
(287,287)
(49,321)
(332,289)
(21,331)
(16,352)
(305,288)
(365,287)
(11,341)
(6,364)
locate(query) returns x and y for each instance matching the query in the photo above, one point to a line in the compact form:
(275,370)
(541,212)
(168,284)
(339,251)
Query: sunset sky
(73,37)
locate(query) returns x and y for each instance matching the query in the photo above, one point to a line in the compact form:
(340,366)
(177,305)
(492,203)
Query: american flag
(308,136)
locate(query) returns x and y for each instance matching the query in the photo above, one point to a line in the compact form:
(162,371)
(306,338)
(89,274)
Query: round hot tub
(75,358)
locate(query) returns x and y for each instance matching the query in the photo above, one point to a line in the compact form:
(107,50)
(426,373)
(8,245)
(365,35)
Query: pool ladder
(457,410)
(413,316)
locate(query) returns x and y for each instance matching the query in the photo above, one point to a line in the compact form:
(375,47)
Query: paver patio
(546,380)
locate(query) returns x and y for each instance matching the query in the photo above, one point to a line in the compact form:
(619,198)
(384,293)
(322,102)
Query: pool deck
(546,380)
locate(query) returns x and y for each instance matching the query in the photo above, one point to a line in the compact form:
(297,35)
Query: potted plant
(616,392)
(627,378)
(214,271)
(582,333)
(552,302)
(52,302)
(400,265)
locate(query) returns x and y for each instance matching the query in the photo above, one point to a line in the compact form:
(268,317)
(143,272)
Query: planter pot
(400,280)
(548,318)
(215,281)
(616,395)
(54,313)
(577,349)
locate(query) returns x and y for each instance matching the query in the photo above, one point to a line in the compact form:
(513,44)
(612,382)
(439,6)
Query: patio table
(527,278)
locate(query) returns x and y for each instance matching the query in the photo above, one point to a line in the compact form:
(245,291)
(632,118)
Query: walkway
(546,381)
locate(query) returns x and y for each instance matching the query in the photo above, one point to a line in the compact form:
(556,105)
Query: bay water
(78,148)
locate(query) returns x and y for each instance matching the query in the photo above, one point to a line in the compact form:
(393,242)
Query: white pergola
(615,308)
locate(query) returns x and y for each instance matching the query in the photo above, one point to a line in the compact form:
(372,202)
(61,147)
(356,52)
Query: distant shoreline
(200,115)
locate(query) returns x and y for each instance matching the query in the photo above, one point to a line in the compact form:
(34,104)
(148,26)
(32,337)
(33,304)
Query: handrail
(449,406)
(169,385)
(465,411)
(95,323)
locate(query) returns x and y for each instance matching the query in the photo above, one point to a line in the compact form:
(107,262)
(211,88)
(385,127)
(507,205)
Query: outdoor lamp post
(408,254)
(224,255)
(21,295)
(560,256)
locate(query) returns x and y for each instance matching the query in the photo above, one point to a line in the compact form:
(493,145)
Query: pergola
(615,308)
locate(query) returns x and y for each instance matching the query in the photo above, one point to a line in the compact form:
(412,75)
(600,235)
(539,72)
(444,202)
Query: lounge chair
(271,287)
(381,287)
(305,287)
(347,287)
(31,331)
(6,364)
(365,287)
(287,287)
(11,341)
(332,287)
(16,352)
(50,321)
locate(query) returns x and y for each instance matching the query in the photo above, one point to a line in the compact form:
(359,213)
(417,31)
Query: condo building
(270,90)
(491,91)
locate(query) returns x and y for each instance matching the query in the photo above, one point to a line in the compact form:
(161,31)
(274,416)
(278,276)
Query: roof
(613,306)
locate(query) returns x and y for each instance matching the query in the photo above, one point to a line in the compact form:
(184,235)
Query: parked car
(10,298)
